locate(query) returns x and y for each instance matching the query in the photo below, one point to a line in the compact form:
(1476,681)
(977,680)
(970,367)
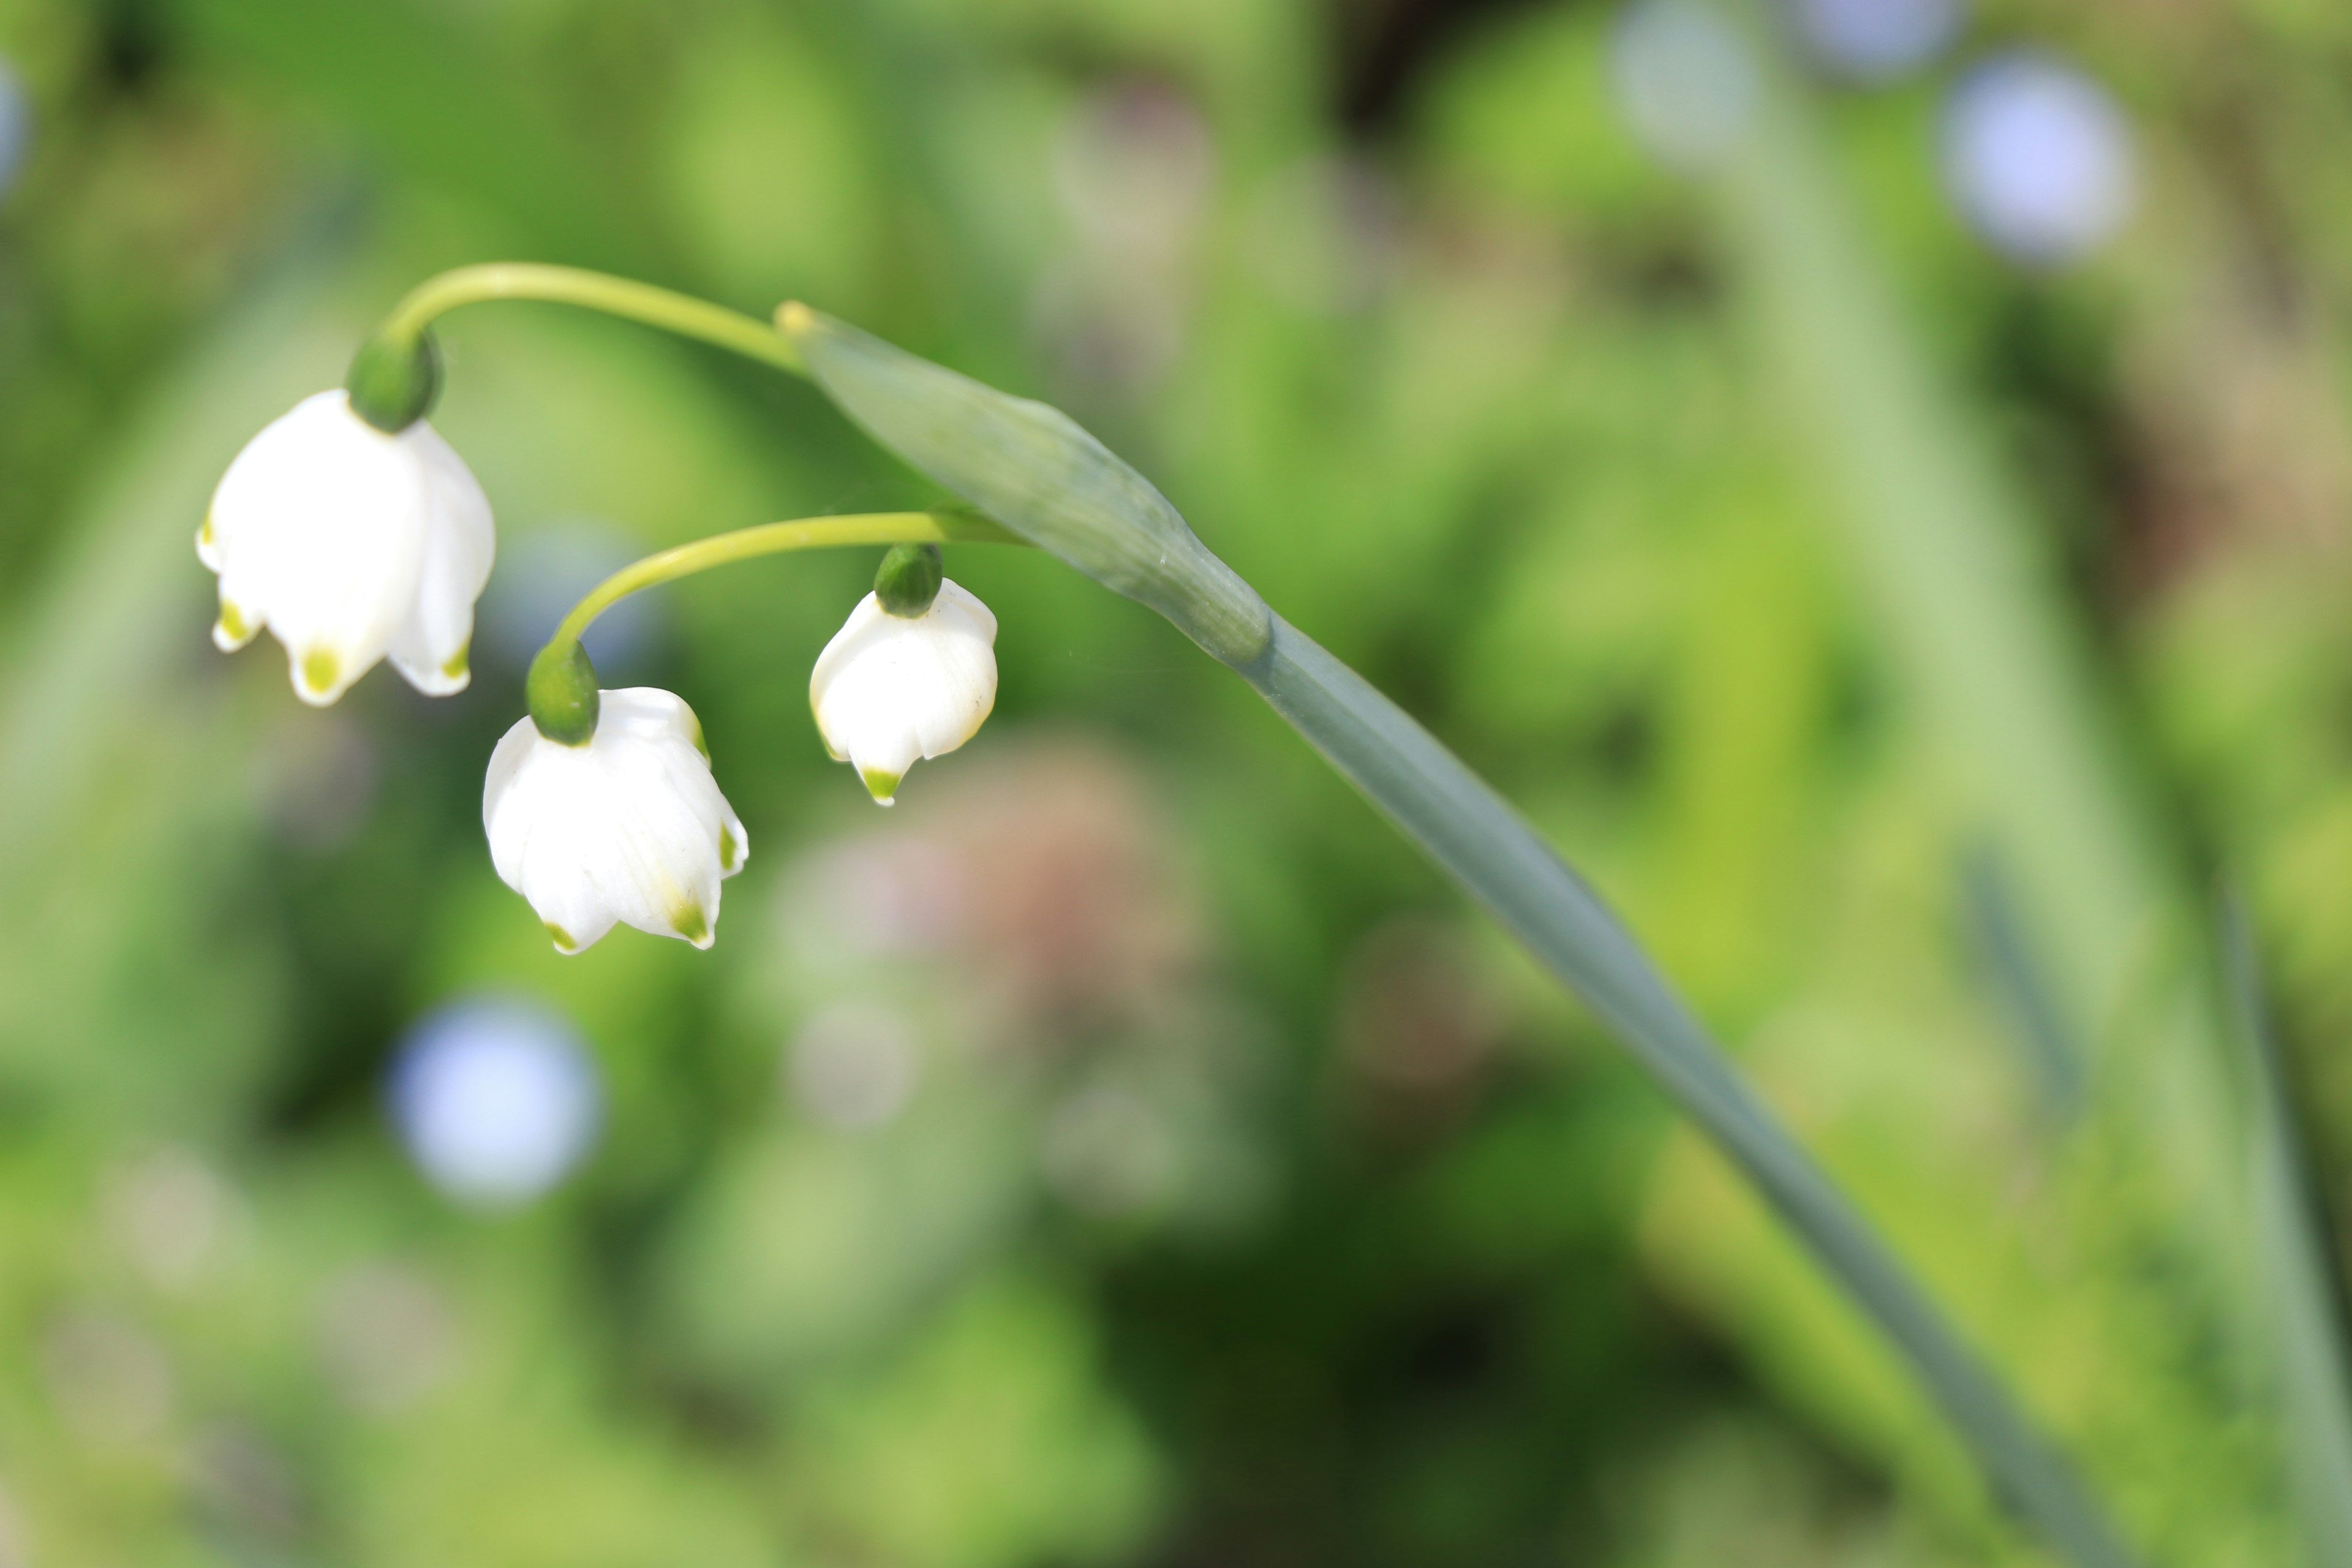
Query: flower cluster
(353,544)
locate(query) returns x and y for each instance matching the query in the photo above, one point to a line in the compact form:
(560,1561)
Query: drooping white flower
(890,689)
(350,545)
(627,828)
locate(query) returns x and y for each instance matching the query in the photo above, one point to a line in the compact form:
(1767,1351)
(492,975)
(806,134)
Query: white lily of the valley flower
(629,828)
(350,545)
(890,689)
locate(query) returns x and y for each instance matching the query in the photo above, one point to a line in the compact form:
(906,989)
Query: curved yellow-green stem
(679,313)
(774,538)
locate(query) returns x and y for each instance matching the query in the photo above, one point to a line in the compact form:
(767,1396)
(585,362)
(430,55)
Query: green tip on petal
(455,667)
(232,627)
(694,728)
(882,786)
(726,848)
(563,942)
(320,667)
(687,922)
(205,532)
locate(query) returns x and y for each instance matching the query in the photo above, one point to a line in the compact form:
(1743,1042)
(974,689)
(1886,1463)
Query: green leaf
(2299,1268)
(1037,472)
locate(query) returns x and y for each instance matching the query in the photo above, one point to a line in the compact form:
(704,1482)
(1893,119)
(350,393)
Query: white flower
(890,689)
(350,544)
(629,827)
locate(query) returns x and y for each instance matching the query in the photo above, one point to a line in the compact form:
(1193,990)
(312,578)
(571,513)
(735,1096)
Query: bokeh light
(854,1065)
(496,1099)
(541,574)
(1685,80)
(16,127)
(1877,40)
(2039,158)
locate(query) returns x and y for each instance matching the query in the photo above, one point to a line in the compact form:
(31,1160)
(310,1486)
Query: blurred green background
(1126,1150)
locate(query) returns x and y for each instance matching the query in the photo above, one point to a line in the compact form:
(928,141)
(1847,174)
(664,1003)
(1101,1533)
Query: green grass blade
(1471,832)
(2299,1270)
(1034,470)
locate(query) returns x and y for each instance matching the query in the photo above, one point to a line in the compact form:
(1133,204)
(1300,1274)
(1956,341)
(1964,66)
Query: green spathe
(1032,469)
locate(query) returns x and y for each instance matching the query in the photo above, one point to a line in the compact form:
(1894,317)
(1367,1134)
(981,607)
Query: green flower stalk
(1034,470)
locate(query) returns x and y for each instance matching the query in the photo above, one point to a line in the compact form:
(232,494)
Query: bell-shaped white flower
(890,689)
(350,544)
(629,828)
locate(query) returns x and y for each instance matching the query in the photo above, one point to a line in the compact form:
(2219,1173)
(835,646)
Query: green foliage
(1247,1199)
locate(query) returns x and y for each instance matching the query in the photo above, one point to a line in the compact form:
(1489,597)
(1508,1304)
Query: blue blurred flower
(496,1099)
(543,572)
(1877,40)
(16,127)
(2039,158)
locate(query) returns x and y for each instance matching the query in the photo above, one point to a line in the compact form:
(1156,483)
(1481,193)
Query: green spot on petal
(726,848)
(882,786)
(687,922)
(205,536)
(563,942)
(233,623)
(455,665)
(320,667)
(694,728)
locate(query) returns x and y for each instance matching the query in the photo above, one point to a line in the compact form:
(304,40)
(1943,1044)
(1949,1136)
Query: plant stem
(1475,836)
(774,538)
(680,314)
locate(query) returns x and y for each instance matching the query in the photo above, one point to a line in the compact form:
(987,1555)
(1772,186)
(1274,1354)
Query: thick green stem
(1476,836)
(679,313)
(775,538)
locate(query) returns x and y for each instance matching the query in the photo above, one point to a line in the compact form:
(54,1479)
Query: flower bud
(889,688)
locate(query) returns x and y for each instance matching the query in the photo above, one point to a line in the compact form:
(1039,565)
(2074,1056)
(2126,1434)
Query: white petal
(430,647)
(317,532)
(887,690)
(630,829)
